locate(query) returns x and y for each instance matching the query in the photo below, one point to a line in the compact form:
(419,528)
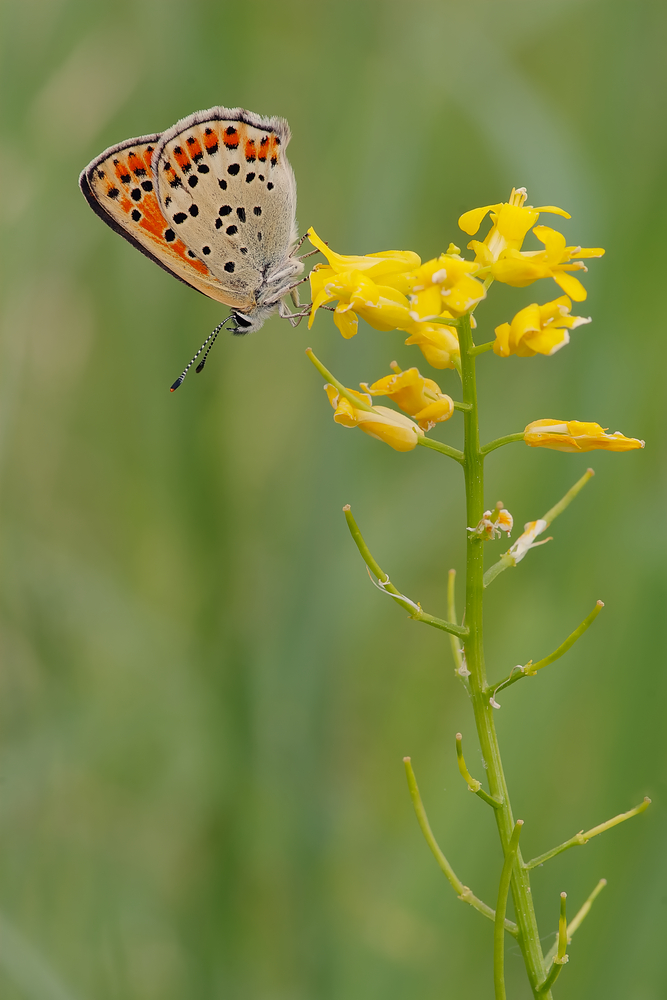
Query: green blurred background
(203,702)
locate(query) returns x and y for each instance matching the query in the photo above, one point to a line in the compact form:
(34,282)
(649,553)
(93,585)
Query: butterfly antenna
(200,366)
(211,337)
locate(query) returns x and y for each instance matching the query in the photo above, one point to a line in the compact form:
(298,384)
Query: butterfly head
(251,321)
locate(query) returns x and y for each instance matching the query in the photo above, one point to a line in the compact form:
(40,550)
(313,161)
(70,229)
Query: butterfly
(212,201)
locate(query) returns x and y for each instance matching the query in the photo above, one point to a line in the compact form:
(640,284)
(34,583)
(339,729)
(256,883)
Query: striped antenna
(211,337)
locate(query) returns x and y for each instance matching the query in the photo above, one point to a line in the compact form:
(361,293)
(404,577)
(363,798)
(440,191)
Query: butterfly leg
(294,318)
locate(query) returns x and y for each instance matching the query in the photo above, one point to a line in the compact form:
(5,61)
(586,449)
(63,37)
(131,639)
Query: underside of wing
(224,183)
(120,187)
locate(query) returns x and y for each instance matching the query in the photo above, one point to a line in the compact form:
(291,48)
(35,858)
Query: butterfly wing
(225,185)
(120,186)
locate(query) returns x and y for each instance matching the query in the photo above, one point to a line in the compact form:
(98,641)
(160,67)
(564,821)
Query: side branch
(526,541)
(444,449)
(583,838)
(499,442)
(531,668)
(451,611)
(387,587)
(345,392)
(501,906)
(577,921)
(560,958)
(464,893)
(473,784)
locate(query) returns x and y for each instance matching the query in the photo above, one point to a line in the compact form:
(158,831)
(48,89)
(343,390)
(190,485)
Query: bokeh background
(203,701)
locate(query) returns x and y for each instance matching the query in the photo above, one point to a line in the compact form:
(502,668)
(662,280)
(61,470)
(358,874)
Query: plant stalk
(473,466)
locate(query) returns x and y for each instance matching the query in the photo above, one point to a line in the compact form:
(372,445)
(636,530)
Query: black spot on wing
(249,177)
(233,169)
(229,266)
(231,230)
(241,214)
(257,210)
(180,217)
(206,250)
(136,214)
(225,210)
(193,181)
(169,235)
(136,194)
(193,210)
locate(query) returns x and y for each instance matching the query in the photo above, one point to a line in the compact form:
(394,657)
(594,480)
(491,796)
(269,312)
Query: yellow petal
(470,221)
(385,424)
(571,285)
(346,321)
(373,264)
(435,412)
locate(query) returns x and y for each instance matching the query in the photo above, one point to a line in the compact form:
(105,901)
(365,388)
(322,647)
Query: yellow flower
(537,329)
(576,435)
(511,221)
(555,261)
(358,295)
(446,282)
(438,344)
(396,430)
(421,397)
(375,265)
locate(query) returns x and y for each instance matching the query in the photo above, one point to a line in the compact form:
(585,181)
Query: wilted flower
(526,541)
(493,522)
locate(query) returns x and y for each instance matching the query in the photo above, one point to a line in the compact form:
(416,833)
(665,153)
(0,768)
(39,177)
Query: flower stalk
(434,303)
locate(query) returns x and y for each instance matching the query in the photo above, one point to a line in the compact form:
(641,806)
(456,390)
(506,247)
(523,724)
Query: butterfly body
(213,202)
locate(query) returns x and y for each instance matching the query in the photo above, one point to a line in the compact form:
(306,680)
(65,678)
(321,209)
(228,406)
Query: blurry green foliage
(203,702)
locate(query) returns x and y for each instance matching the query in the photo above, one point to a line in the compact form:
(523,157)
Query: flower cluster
(394,290)
(390,290)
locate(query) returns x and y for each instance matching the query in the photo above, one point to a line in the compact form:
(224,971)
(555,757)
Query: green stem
(499,442)
(464,893)
(444,449)
(360,404)
(582,838)
(577,921)
(559,507)
(529,938)
(387,587)
(560,958)
(531,668)
(473,784)
(501,907)
(482,348)
(451,612)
